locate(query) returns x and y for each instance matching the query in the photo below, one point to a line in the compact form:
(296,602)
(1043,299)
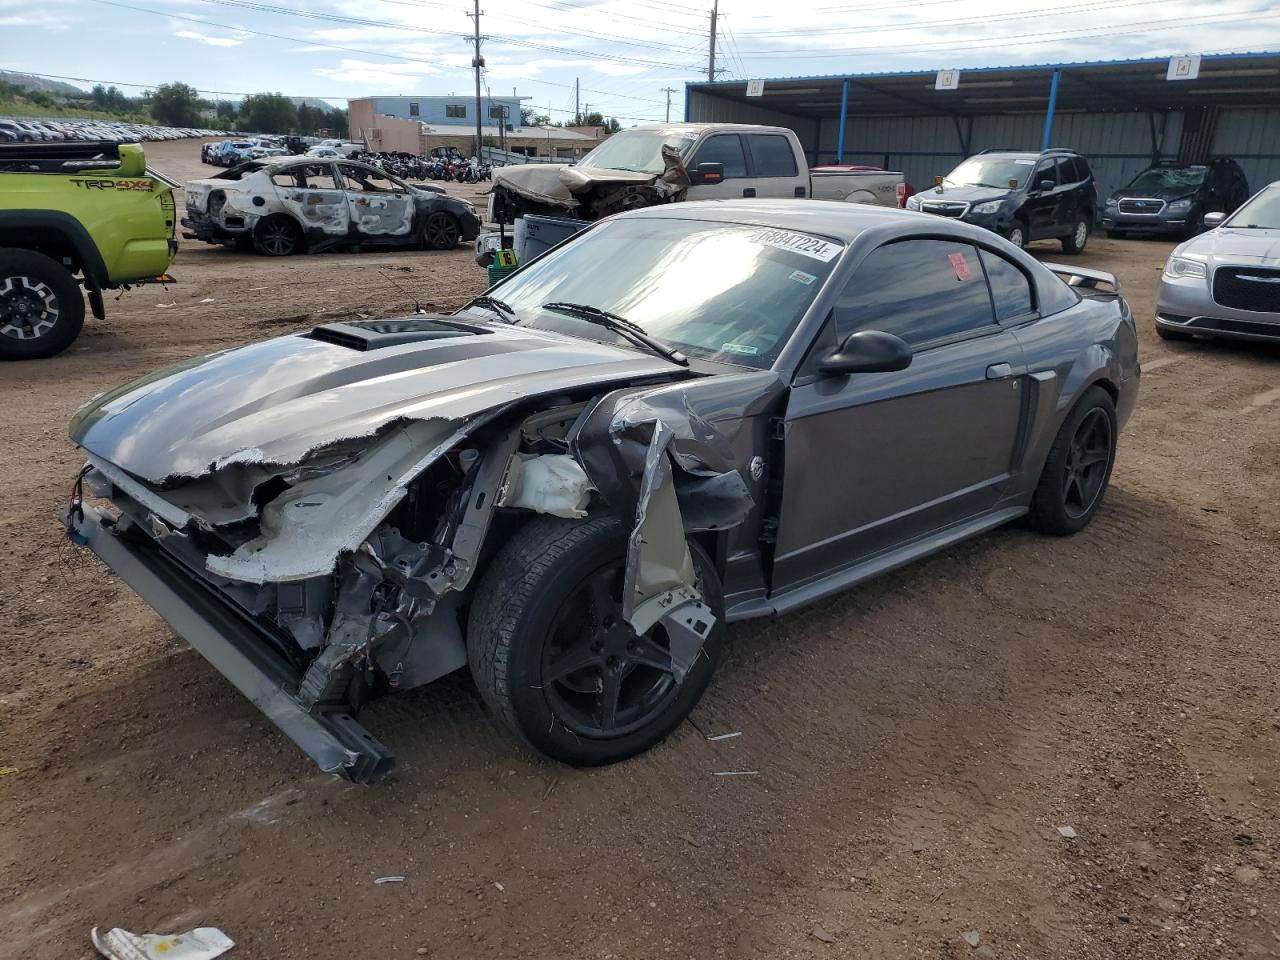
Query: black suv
(1021,196)
(1173,197)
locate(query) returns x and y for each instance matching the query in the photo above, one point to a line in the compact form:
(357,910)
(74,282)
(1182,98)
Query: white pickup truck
(667,163)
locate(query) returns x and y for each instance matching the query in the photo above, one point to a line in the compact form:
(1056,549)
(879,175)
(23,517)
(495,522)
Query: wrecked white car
(571,485)
(280,206)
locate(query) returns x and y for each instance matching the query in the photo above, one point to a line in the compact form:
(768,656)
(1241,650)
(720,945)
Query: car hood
(974,195)
(276,402)
(1167,194)
(1230,245)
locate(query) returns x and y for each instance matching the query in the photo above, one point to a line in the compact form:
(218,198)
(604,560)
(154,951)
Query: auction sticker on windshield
(815,247)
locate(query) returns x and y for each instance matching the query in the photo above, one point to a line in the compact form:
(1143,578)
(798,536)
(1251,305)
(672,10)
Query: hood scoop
(365,335)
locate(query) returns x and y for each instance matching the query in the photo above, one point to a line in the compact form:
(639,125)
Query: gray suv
(1021,196)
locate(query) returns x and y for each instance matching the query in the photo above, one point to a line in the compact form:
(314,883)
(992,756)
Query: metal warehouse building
(1122,115)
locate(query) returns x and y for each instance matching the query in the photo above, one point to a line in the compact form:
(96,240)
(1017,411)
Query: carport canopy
(1223,80)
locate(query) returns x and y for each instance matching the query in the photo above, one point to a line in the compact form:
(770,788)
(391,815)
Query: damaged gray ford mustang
(684,416)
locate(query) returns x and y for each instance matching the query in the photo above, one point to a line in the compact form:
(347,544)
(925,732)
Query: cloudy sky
(623,52)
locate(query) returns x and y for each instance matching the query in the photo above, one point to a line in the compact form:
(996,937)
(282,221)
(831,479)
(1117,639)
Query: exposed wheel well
(50,241)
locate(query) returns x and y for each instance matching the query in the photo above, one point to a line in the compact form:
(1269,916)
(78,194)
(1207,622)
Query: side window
(1010,289)
(1065,171)
(1082,169)
(726,149)
(458,110)
(316,176)
(359,180)
(1044,171)
(920,290)
(771,155)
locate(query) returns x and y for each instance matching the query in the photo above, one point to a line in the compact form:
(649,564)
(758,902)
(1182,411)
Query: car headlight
(913,203)
(1180,206)
(991,206)
(1182,267)
(1112,203)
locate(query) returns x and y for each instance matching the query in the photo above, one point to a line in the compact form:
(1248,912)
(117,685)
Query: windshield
(638,149)
(1260,213)
(991,172)
(1169,178)
(719,291)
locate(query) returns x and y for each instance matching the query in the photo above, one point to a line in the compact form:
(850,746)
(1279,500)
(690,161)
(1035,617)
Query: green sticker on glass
(799,276)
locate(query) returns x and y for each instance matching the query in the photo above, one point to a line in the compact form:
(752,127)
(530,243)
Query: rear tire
(277,236)
(547,643)
(41,307)
(1079,236)
(1078,469)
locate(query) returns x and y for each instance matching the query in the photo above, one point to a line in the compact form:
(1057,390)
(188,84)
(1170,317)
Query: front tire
(1079,236)
(441,231)
(41,308)
(553,657)
(1078,468)
(1017,234)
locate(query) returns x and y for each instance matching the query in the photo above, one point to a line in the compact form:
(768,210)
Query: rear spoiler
(1084,277)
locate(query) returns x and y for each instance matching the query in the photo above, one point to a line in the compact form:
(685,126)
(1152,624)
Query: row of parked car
(228,153)
(58,130)
(1052,194)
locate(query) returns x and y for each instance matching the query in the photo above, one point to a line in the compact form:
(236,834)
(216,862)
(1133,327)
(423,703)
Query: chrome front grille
(1132,205)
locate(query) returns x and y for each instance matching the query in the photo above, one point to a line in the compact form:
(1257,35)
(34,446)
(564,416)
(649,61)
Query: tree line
(178,105)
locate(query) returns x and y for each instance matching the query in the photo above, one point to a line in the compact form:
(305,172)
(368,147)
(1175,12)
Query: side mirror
(1044,186)
(867,351)
(1212,220)
(708,173)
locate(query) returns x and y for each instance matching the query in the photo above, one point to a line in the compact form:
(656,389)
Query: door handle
(998,371)
(748,191)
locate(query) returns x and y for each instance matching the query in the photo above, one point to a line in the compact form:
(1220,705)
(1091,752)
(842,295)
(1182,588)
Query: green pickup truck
(75,214)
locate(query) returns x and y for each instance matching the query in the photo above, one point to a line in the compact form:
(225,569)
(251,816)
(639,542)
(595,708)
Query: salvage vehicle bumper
(1143,223)
(1186,304)
(233,645)
(213,231)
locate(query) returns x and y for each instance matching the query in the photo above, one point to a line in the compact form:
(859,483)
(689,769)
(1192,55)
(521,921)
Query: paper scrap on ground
(202,943)
(726,736)
(389,880)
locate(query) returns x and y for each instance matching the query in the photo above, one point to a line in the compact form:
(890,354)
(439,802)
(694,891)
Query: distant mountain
(313,103)
(40,83)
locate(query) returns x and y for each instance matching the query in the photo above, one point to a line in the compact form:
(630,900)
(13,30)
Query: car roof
(827,218)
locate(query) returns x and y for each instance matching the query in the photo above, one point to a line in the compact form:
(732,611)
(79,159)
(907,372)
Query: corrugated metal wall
(704,108)
(1253,138)
(1118,145)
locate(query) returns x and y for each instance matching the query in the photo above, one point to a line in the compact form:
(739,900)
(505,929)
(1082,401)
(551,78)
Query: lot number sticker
(960,266)
(814,247)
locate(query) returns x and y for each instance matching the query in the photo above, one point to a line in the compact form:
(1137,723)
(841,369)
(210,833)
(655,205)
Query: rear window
(772,156)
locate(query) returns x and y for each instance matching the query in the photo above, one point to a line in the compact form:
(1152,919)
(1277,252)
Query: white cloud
(34,19)
(378,76)
(208,40)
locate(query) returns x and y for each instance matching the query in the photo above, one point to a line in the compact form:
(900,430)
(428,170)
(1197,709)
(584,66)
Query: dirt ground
(918,741)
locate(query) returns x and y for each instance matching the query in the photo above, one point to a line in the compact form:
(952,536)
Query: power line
(1016,40)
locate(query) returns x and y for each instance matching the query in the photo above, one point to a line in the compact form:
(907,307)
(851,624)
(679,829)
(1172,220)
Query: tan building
(390,134)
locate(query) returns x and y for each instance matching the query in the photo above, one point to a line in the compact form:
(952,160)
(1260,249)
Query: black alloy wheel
(441,231)
(601,678)
(1088,462)
(277,237)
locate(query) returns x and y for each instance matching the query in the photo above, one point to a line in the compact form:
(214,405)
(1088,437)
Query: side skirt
(847,577)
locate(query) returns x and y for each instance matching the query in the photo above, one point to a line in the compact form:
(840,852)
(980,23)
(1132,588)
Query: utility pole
(477,62)
(668,91)
(711,62)
(577,108)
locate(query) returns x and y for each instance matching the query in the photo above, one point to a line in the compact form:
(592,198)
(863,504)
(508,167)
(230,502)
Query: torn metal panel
(660,583)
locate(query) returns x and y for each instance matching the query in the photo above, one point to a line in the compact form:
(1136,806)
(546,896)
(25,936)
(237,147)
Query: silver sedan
(1226,283)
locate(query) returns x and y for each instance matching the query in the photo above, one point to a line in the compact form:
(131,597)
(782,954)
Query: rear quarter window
(1010,288)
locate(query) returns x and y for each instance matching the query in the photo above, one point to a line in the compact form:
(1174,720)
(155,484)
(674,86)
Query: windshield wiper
(500,307)
(632,331)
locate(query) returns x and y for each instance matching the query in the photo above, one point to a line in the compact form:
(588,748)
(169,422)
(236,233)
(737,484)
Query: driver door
(873,461)
(380,206)
(1042,205)
(312,195)
(726,149)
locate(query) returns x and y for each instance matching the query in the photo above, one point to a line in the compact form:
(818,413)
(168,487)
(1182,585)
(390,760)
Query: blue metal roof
(1011,67)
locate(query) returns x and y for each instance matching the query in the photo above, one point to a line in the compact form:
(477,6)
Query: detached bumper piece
(334,740)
